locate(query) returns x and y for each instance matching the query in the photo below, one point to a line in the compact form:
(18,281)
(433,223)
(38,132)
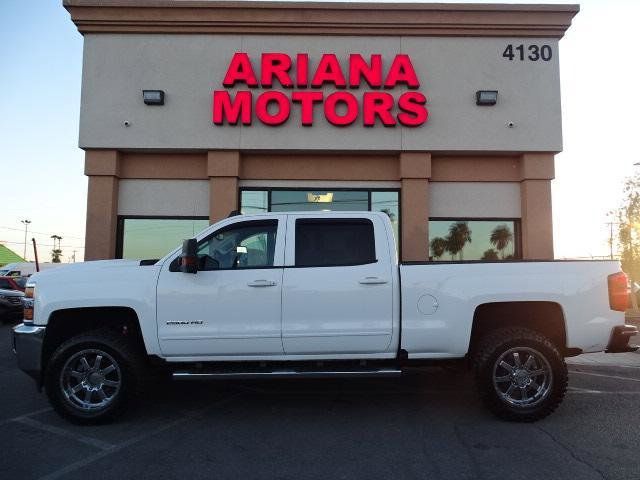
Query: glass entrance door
(257,200)
(319,200)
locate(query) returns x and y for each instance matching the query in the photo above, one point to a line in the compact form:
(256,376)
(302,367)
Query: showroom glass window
(469,239)
(145,238)
(316,200)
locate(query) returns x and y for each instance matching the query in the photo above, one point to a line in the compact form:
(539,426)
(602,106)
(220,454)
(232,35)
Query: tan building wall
(185,48)
(414,171)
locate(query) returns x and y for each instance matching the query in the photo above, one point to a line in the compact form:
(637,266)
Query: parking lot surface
(424,426)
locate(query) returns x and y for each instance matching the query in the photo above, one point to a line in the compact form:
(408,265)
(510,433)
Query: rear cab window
(334,242)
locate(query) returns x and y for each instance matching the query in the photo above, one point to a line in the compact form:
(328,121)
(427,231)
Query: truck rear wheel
(93,377)
(520,374)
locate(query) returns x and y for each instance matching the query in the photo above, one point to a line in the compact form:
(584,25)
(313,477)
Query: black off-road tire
(490,349)
(134,375)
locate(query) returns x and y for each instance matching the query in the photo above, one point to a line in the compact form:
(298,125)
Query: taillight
(27,302)
(619,292)
(27,311)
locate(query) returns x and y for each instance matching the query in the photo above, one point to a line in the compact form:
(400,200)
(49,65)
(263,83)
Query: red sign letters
(341,108)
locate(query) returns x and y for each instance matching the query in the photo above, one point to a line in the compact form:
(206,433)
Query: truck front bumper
(620,336)
(27,345)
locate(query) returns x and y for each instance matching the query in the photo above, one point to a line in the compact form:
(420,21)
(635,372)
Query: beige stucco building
(397,124)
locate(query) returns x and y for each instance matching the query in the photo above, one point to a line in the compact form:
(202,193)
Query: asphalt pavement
(424,426)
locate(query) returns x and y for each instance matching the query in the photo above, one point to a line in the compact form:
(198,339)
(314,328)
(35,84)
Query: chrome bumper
(27,345)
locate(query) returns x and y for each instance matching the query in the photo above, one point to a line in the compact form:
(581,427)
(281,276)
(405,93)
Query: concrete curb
(630,359)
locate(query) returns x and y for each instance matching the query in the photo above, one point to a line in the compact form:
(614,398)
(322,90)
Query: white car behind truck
(25,269)
(313,295)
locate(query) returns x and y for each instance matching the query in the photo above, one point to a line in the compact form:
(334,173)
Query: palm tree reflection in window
(438,246)
(494,241)
(500,238)
(390,214)
(459,235)
(490,254)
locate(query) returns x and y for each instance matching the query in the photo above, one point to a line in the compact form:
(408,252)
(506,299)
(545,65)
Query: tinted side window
(242,245)
(322,242)
(5,284)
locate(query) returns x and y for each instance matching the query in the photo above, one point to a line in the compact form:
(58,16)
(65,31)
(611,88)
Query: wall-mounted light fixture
(486,97)
(153,97)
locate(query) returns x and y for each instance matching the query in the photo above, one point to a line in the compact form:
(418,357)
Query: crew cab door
(337,286)
(232,305)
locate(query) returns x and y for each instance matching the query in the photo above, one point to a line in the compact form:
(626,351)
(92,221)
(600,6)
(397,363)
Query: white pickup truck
(313,295)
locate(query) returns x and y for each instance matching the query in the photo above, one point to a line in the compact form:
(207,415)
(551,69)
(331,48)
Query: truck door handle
(372,281)
(262,283)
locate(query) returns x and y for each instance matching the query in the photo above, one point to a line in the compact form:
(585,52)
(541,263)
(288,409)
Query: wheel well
(67,323)
(546,318)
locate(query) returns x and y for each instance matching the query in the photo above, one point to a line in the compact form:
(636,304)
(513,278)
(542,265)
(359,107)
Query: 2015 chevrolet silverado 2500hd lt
(313,294)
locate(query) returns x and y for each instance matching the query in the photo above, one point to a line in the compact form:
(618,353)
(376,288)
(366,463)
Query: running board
(286,374)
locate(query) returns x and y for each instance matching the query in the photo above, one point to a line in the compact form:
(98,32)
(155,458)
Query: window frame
(274,222)
(517,233)
(174,264)
(269,190)
(121,220)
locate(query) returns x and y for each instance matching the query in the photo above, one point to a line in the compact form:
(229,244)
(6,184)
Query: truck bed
(439,301)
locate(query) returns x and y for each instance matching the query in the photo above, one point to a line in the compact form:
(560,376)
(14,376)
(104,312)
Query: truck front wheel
(91,378)
(520,374)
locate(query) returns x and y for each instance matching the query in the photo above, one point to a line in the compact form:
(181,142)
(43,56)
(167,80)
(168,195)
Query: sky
(41,167)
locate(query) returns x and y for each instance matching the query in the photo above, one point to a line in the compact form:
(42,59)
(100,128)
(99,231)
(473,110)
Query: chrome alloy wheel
(90,379)
(522,377)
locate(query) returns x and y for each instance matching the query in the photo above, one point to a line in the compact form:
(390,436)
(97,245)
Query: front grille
(14,300)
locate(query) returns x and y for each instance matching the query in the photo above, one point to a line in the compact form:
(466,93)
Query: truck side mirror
(189,257)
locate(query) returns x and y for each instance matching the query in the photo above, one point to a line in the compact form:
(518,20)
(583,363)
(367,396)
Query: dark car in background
(10,305)
(13,283)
